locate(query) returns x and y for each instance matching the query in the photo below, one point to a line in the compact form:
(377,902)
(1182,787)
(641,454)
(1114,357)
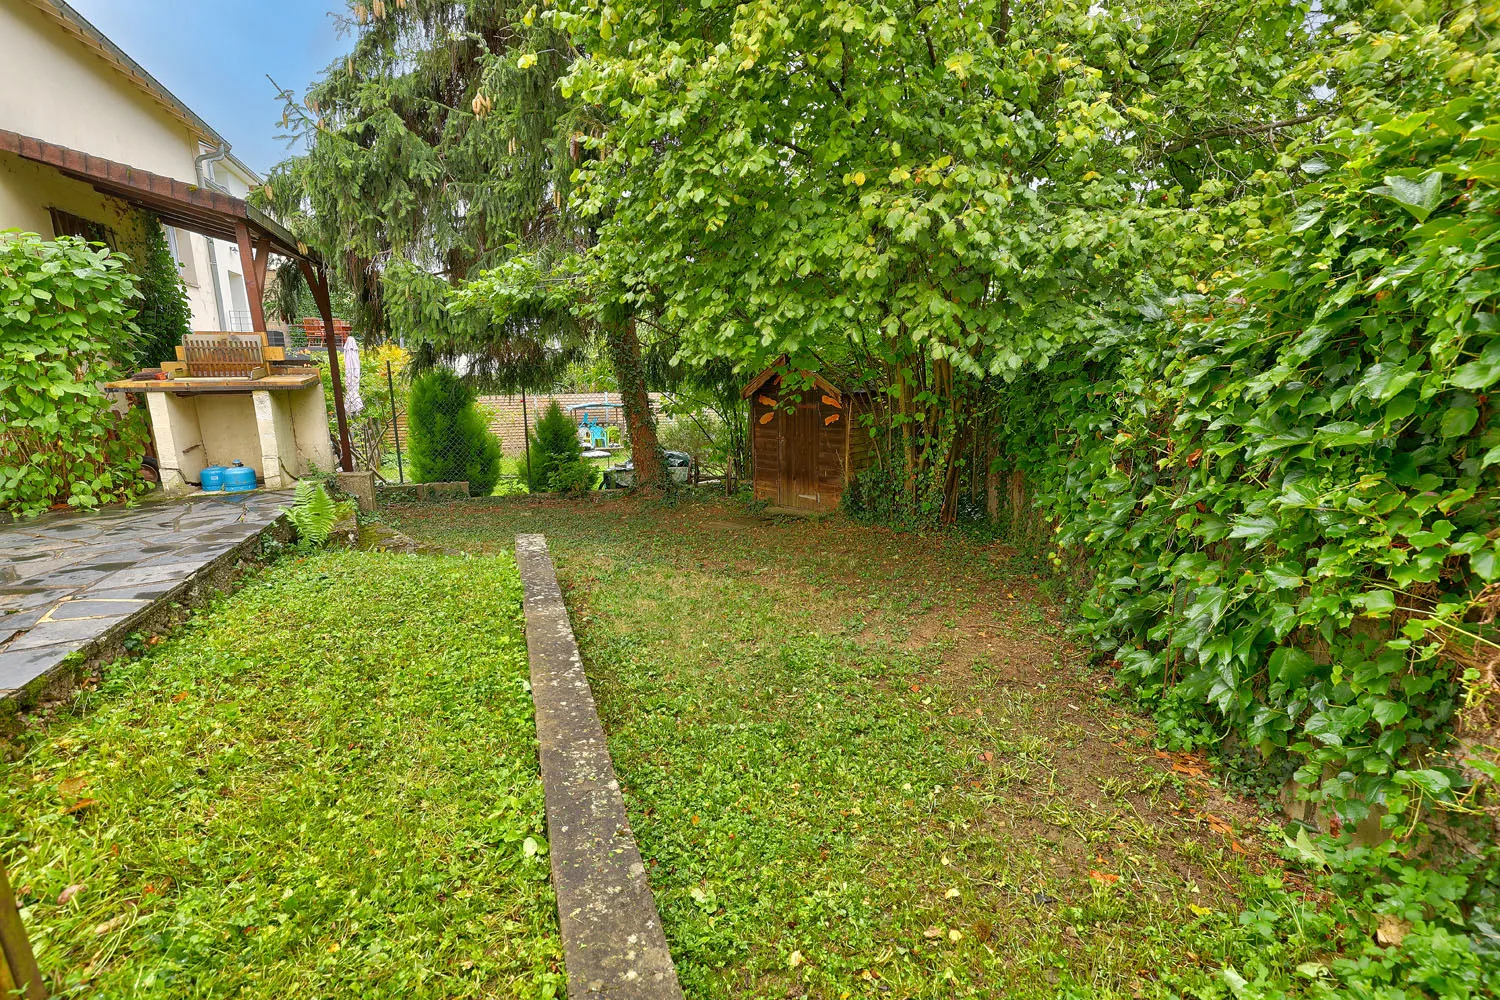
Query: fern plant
(314,512)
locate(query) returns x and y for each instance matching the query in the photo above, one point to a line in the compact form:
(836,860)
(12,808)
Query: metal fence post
(17,964)
(526,439)
(390,384)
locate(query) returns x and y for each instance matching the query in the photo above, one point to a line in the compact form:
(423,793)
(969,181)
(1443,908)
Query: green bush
(1381,925)
(65,314)
(578,476)
(553,445)
(449,438)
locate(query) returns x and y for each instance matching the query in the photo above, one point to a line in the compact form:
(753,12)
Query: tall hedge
(163,315)
(1289,485)
(65,314)
(449,438)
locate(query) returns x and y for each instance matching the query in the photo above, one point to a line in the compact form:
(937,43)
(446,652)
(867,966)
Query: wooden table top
(271,383)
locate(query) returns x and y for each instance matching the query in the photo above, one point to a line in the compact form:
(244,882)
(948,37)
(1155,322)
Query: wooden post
(317,281)
(17,964)
(254,275)
(395,421)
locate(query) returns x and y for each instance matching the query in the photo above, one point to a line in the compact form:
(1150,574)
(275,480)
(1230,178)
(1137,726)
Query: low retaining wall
(613,942)
(420,492)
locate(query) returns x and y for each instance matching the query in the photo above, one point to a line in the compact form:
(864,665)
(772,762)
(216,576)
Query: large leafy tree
(938,194)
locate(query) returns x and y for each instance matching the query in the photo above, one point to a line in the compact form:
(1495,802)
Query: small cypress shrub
(450,440)
(553,445)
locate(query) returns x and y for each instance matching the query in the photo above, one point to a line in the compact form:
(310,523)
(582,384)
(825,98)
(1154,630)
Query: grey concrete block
(613,943)
(359,485)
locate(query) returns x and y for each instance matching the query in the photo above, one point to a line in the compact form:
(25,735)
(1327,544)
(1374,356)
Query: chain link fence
(438,433)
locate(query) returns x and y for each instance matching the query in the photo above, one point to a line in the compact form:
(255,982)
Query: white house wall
(87,104)
(54,88)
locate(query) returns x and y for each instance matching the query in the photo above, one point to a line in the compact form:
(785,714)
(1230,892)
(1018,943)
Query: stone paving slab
(613,944)
(69,580)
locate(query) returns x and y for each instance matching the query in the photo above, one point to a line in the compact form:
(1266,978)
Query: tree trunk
(992,483)
(640,423)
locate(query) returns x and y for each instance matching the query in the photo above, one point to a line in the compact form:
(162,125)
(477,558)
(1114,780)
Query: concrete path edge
(216,576)
(613,943)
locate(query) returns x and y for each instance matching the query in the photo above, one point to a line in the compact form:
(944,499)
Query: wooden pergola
(213,214)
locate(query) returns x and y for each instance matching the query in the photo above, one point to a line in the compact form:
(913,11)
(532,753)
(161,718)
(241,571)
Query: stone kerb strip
(613,943)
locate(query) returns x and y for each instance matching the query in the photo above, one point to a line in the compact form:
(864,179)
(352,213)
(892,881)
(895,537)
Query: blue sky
(215,54)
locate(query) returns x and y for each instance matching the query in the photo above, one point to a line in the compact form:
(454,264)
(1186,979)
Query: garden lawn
(861,763)
(325,785)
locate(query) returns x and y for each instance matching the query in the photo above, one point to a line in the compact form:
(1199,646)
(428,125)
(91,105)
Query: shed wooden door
(801,430)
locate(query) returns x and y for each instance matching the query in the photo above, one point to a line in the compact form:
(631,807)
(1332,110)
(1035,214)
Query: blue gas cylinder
(239,478)
(212,478)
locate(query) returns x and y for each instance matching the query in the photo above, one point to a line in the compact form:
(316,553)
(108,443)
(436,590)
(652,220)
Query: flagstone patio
(68,582)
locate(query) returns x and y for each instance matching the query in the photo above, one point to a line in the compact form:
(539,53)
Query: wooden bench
(224,355)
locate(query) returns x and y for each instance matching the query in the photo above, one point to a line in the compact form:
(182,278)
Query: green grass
(868,764)
(325,785)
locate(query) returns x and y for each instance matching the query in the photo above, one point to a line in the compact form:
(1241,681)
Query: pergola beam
(211,213)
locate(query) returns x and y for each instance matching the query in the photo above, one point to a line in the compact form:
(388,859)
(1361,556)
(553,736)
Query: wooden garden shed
(805,443)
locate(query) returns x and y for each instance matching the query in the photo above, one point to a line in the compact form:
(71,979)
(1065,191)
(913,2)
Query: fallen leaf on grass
(933,932)
(1104,877)
(1391,930)
(71,787)
(1216,824)
(78,806)
(795,960)
(68,893)
(111,924)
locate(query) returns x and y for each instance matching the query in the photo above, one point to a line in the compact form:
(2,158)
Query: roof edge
(139,75)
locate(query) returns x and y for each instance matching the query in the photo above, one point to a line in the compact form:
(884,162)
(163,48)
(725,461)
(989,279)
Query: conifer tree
(163,314)
(441,145)
(553,446)
(449,438)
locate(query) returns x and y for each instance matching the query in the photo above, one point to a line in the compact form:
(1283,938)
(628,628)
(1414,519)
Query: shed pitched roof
(780,367)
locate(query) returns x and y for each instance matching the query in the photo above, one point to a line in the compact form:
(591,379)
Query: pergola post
(317,281)
(18,969)
(253,260)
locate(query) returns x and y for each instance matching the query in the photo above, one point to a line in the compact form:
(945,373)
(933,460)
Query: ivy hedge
(1287,484)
